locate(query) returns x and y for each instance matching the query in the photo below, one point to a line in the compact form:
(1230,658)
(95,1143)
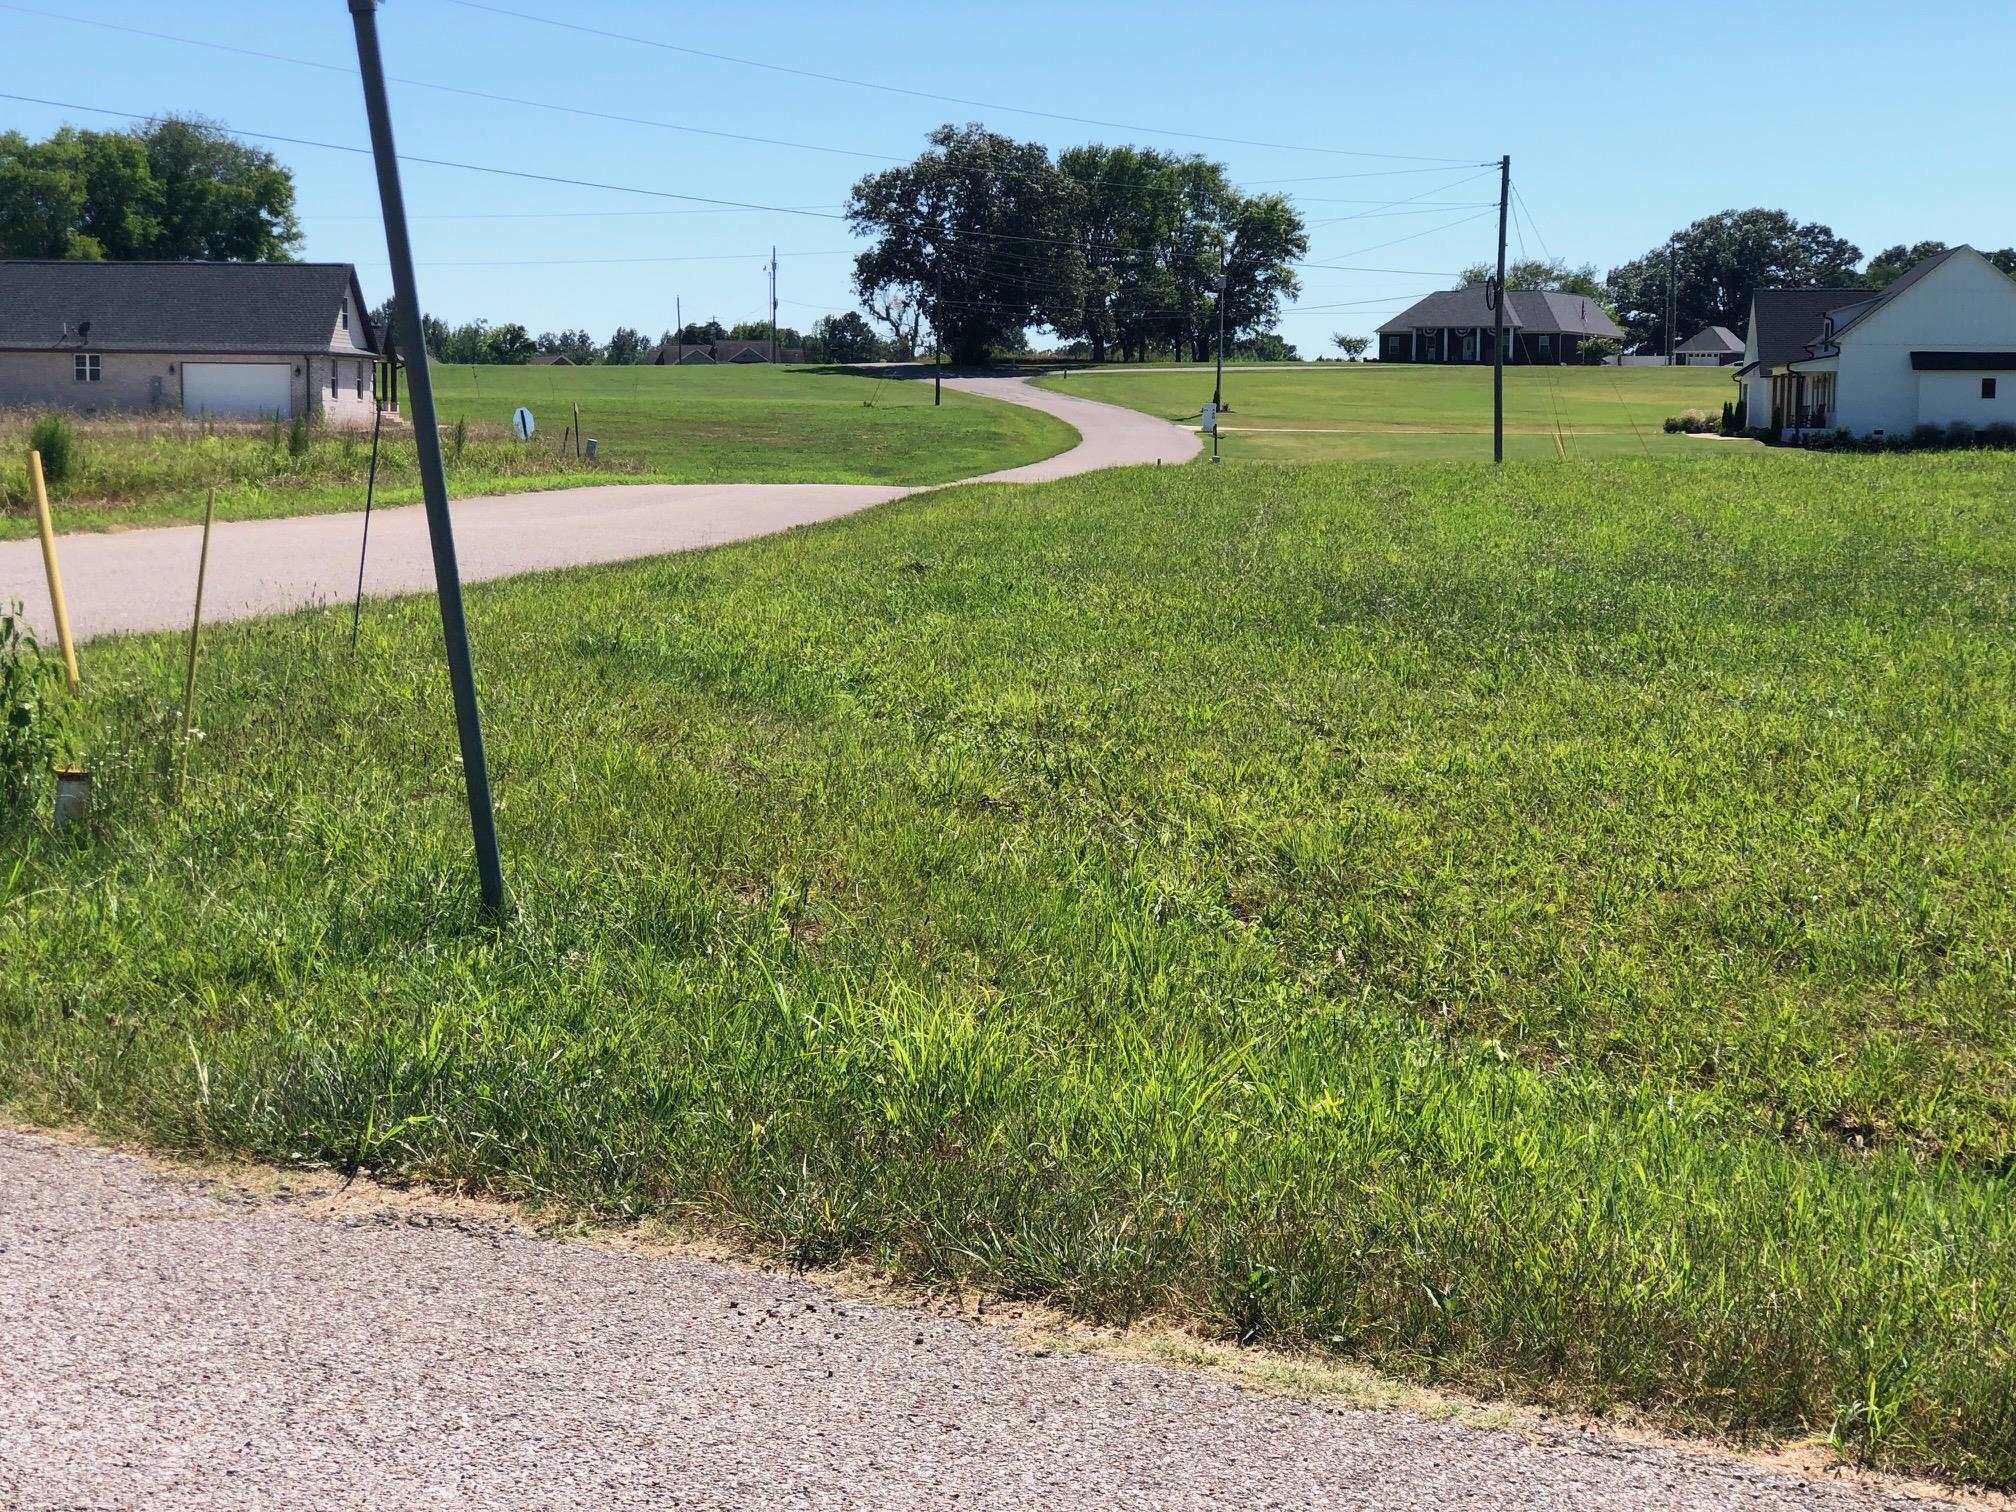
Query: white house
(1936,347)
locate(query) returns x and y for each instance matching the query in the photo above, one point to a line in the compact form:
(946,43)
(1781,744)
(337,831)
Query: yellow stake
(195,632)
(47,528)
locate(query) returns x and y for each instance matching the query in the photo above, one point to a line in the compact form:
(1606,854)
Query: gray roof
(1712,339)
(178,306)
(1540,312)
(1785,322)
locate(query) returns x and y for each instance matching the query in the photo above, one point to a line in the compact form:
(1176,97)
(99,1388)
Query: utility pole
(678,326)
(427,443)
(773,305)
(1498,316)
(1672,300)
(1218,384)
(938,344)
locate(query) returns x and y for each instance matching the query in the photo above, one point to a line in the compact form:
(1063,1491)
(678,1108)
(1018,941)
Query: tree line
(833,338)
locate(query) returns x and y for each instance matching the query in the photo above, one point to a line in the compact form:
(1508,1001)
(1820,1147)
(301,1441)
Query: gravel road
(145,579)
(178,1344)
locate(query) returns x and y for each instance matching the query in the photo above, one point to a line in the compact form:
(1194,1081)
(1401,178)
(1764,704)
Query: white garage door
(236,389)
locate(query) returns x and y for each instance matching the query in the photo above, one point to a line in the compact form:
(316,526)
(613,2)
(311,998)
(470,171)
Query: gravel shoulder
(141,580)
(175,1342)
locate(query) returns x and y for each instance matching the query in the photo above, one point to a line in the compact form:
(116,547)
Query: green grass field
(1404,412)
(753,424)
(1544,931)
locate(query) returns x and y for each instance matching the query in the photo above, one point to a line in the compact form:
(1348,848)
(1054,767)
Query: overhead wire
(925,94)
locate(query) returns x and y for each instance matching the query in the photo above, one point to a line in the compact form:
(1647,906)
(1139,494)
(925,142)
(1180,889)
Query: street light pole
(427,443)
(1218,384)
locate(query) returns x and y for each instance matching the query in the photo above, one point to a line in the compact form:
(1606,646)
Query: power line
(550,214)
(1376,246)
(924,94)
(513,173)
(590,262)
(453,89)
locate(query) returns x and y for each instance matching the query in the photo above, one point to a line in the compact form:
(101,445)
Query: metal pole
(1498,317)
(427,443)
(364,546)
(938,345)
(195,636)
(773,306)
(1218,384)
(1672,302)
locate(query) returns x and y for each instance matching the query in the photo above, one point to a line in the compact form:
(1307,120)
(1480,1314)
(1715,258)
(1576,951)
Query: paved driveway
(144,579)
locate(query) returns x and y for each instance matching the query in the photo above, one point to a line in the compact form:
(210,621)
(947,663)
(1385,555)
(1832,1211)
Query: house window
(344,314)
(1987,388)
(360,380)
(335,380)
(88,369)
(1546,345)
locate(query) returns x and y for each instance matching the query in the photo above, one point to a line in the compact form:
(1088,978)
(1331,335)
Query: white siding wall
(1963,305)
(344,407)
(127,383)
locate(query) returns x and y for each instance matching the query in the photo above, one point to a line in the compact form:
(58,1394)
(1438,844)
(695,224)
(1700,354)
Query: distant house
(1937,347)
(1711,346)
(1455,325)
(233,340)
(553,359)
(671,354)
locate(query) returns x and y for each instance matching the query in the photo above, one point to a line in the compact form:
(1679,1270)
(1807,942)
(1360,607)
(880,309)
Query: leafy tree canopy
(176,188)
(1721,261)
(1541,273)
(1892,263)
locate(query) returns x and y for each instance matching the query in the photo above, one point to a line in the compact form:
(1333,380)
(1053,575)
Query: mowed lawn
(740,424)
(1545,930)
(753,423)
(1306,412)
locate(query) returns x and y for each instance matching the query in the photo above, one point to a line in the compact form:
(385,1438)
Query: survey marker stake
(427,443)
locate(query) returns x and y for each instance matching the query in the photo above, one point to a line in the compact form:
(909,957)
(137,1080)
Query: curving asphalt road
(175,1344)
(143,579)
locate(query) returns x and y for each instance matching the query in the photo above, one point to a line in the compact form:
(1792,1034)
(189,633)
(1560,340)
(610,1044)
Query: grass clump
(55,438)
(1538,930)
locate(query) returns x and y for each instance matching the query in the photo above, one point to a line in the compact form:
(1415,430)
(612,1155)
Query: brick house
(230,340)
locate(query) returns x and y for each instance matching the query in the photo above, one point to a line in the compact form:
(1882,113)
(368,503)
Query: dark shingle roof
(177,306)
(1785,322)
(1714,339)
(1541,312)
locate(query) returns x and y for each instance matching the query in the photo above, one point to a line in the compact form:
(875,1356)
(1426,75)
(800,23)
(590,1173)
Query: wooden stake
(195,634)
(47,527)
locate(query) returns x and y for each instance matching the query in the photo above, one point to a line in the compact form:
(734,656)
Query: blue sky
(1622,126)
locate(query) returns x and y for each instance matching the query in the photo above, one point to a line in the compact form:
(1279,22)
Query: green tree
(972,230)
(576,346)
(700,333)
(509,343)
(1351,346)
(41,202)
(846,338)
(1721,261)
(176,188)
(220,198)
(625,347)
(1541,273)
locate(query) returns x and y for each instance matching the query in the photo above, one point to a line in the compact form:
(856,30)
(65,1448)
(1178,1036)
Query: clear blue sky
(1889,125)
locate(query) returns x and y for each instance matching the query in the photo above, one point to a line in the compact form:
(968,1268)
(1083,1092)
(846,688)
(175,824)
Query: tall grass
(131,463)
(1541,931)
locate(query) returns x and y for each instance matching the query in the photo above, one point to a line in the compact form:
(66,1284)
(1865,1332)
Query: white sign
(1210,418)
(521,424)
